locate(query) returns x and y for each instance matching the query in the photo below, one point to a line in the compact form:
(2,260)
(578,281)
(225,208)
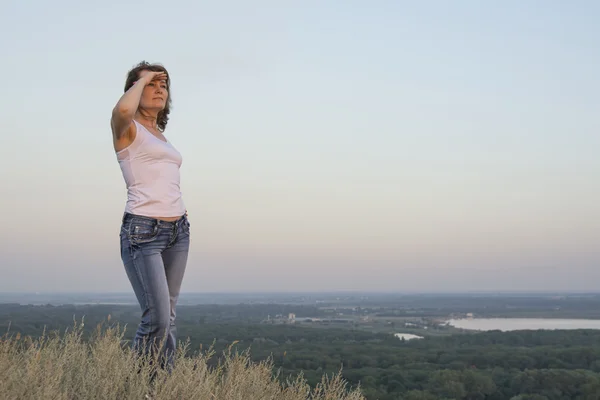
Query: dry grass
(68,367)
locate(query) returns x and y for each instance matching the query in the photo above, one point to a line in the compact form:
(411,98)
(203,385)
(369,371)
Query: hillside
(66,366)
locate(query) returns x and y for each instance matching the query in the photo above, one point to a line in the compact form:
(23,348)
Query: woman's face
(155,94)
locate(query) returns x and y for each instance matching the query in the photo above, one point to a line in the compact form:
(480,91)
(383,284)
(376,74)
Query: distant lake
(407,336)
(514,324)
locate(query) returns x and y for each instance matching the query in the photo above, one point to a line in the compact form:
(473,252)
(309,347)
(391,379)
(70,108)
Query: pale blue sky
(339,145)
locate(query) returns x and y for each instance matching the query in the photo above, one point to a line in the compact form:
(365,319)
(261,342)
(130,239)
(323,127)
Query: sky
(341,145)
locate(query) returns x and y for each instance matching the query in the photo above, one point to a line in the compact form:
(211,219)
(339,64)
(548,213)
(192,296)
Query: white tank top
(150,168)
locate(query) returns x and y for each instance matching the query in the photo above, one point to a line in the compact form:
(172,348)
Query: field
(319,336)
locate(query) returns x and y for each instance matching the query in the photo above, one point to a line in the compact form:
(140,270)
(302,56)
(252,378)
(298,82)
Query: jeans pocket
(142,232)
(185,226)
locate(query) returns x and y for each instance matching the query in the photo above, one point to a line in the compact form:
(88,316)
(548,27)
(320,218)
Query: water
(407,336)
(513,324)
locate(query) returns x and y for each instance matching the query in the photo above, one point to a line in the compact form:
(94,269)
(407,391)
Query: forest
(548,364)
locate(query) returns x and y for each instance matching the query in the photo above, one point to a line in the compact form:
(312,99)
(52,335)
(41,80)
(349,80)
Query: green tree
(420,395)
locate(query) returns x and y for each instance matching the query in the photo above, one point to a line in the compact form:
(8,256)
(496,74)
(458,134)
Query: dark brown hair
(134,75)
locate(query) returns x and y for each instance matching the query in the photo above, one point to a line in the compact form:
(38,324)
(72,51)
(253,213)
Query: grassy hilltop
(65,366)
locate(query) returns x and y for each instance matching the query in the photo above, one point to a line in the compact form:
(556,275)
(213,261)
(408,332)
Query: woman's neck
(147,117)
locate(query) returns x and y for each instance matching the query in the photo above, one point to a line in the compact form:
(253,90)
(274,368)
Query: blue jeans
(155,254)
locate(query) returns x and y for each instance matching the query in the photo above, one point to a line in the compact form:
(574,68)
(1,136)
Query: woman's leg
(142,243)
(175,261)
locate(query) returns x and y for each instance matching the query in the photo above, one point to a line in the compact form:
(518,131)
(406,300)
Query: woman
(155,232)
